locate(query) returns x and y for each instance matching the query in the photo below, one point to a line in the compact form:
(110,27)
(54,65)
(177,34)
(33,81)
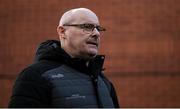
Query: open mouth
(92,43)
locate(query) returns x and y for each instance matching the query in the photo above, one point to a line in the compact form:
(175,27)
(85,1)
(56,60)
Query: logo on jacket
(57,76)
(75,96)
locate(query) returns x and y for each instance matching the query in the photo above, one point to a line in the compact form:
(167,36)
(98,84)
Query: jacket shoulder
(34,72)
(30,88)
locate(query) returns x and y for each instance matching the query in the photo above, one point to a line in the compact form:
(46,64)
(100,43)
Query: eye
(99,28)
(88,26)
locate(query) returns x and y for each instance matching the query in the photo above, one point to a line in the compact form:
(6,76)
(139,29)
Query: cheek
(77,40)
(81,42)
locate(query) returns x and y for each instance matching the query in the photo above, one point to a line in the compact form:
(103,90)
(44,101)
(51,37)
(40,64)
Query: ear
(61,31)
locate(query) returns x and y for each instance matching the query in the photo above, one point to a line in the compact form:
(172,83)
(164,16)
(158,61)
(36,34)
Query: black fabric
(40,83)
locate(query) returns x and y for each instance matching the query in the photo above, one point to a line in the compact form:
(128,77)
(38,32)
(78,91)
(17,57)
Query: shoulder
(30,88)
(34,72)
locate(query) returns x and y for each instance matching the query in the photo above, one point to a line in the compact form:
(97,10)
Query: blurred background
(141,44)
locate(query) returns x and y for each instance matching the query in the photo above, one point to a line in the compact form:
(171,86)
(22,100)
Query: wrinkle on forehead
(78,15)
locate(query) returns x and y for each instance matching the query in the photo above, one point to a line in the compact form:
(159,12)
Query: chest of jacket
(71,88)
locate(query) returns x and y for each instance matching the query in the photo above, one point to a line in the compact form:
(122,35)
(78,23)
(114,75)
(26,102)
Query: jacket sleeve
(30,90)
(112,90)
(114,96)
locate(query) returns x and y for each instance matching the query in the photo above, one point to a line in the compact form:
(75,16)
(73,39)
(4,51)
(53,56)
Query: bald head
(77,15)
(79,42)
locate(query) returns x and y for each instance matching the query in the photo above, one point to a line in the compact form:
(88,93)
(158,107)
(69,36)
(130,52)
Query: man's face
(81,42)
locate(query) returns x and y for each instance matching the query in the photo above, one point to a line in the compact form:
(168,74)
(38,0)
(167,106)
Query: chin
(90,56)
(89,53)
(93,53)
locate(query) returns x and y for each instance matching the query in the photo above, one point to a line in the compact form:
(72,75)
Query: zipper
(95,82)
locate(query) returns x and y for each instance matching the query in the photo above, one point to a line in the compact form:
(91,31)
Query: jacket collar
(50,50)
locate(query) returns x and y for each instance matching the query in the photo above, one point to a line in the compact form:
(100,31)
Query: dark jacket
(57,80)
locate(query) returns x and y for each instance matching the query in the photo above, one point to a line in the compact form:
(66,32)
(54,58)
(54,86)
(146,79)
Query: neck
(73,54)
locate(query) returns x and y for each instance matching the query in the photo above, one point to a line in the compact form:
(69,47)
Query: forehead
(82,17)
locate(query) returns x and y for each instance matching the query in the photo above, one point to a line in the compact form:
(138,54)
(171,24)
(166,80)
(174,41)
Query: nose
(96,32)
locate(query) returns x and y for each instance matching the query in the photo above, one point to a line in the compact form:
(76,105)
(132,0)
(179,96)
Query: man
(67,73)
